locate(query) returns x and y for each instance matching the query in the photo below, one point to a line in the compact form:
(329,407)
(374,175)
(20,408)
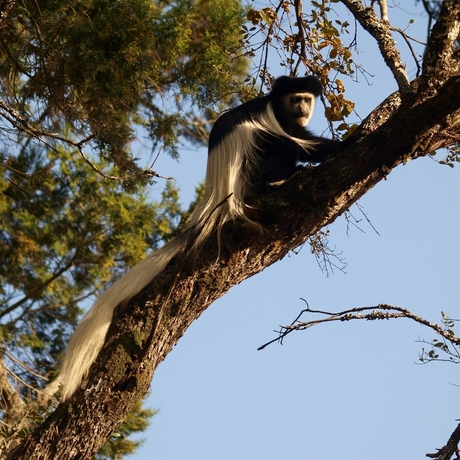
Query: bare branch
(301,34)
(381,311)
(22,125)
(380,30)
(383,10)
(408,39)
(326,257)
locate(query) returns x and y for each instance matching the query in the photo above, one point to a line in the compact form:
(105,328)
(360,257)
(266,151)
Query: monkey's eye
(300,99)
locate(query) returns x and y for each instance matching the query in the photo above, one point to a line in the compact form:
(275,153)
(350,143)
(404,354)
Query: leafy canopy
(90,69)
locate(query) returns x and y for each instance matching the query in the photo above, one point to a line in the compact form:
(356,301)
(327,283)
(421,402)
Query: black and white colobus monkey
(257,145)
(251,147)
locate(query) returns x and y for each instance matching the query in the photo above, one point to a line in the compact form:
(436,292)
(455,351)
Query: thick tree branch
(439,63)
(450,449)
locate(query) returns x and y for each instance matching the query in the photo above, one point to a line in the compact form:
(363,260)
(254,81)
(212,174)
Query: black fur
(278,157)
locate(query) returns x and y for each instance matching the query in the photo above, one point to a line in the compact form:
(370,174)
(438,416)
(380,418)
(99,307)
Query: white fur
(228,168)
(226,187)
(303,121)
(89,337)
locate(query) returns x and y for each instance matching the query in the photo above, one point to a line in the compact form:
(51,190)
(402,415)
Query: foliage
(66,233)
(452,156)
(448,344)
(308,40)
(89,69)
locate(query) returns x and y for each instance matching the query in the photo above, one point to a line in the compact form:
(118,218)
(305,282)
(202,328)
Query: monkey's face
(300,106)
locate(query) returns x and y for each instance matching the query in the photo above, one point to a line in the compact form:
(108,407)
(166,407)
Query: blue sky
(345,390)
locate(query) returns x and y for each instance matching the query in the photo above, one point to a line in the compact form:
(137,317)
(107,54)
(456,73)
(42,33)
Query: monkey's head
(297,96)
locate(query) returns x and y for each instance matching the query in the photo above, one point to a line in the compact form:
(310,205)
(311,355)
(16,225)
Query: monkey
(259,145)
(256,146)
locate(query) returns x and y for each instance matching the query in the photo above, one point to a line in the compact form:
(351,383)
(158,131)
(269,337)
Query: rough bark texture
(402,128)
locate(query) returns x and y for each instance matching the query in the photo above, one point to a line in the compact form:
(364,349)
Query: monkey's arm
(321,149)
(284,159)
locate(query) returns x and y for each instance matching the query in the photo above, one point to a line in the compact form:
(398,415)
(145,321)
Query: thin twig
(407,39)
(381,311)
(380,30)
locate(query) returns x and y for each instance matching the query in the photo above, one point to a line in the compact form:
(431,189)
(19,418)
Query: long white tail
(226,187)
(89,337)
